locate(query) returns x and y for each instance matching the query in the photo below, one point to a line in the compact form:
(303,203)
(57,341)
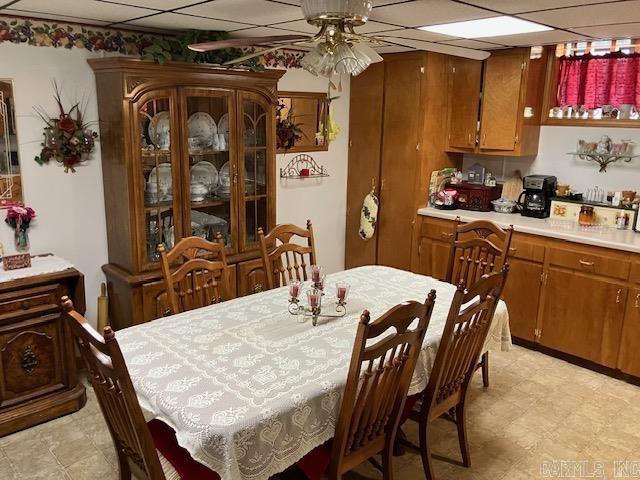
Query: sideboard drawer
(30,300)
(589,261)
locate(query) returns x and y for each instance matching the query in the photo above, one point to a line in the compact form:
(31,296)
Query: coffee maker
(538,191)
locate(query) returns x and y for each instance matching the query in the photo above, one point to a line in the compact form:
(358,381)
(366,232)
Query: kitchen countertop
(626,240)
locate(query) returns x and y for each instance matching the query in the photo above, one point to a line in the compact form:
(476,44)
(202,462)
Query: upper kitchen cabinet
(498,112)
(464,81)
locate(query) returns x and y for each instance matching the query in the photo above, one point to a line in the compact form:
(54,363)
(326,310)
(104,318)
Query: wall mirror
(308,112)
(10,180)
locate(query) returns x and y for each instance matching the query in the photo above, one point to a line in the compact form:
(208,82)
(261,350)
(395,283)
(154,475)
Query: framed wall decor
(302,122)
(10,180)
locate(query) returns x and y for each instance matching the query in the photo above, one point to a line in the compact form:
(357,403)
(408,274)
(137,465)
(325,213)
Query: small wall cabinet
(575,299)
(495,105)
(186,150)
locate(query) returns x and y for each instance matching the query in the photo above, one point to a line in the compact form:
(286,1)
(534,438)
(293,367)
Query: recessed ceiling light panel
(487,27)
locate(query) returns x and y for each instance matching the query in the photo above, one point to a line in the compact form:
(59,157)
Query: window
(598,80)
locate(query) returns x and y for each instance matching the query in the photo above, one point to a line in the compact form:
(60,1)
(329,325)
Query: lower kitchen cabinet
(567,297)
(629,357)
(521,294)
(251,277)
(582,315)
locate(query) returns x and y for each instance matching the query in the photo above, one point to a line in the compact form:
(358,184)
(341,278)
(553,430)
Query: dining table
(249,388)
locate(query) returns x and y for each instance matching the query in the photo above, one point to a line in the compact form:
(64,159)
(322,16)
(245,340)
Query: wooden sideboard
(38,376)
(575,300)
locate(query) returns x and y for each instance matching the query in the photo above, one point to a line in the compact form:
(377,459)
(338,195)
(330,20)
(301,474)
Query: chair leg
(425,449)
(461,423)
(387,462)
(123,466)
(485,369)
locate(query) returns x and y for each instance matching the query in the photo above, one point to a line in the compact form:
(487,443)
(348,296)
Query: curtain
(595,81)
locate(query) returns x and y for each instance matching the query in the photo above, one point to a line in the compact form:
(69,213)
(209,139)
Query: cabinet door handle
(637,305)
(484,139)
(584,263)
(446,234)
(618,295)
(513,249)
(469,141)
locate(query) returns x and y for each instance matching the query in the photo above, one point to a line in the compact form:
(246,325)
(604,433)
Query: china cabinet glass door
(159,172)
(210,174)
(256,146)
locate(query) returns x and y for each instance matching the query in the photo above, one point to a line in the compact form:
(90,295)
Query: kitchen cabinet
(163,125)
(407,95)
(628,358)
(434,247)
(563,297)
(582,315)
(465,78)
(510,96)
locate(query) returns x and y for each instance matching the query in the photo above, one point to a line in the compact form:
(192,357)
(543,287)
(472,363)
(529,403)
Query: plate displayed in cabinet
(202,129)
(160,179)
(205,172)
(160,130)
(223,126)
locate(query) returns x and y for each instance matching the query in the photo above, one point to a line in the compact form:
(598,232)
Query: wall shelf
(302,167)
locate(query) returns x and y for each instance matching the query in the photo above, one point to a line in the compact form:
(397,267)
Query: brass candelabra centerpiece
(314,308)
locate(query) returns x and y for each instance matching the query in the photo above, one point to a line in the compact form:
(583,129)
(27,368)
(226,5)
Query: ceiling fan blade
(256,54)
(246,42)
(369,52)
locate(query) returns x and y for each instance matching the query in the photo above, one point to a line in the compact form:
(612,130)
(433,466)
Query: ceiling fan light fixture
(355,12)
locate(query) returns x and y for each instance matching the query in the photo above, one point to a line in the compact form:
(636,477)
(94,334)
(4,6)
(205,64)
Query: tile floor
(538,410)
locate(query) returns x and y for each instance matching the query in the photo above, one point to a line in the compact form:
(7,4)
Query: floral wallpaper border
(42,33)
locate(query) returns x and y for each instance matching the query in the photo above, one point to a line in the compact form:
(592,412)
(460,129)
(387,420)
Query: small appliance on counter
(477,197)
(538,191)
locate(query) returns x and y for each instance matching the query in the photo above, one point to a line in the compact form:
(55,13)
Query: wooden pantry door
(400,157)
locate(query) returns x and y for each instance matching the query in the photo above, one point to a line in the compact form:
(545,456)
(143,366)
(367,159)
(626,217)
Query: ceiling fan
(337,47)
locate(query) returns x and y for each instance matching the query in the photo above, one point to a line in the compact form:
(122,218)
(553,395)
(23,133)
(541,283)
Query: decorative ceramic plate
(223,126)
(225,178)
(202,128)
(160,130)
(161,176)
(204,172)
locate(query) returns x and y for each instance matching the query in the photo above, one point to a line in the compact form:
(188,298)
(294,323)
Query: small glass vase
(21,240)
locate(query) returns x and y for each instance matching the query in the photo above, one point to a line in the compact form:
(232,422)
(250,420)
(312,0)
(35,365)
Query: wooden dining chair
(108,374)
(203,278)
(464,335)
(377,385)
(283,260)
(477,248)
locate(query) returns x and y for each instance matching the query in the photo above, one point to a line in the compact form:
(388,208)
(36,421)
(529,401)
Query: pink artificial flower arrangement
(19,217)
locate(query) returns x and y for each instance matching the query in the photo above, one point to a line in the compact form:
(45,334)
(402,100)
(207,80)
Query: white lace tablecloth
(248,390)
(39,266)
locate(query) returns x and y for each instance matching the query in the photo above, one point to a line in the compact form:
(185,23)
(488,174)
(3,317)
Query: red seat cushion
(165,440)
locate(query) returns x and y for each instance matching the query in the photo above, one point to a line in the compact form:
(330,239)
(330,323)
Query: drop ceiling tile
(475,44)
(414,34)
(374,27)
(622,30)
(176,21)
(257,12)
(51,16)
(519,6)
(376,3)
(588,15)
(537,38)
(263,32)
(297,25)
(157,4)
(440,48)
(108,12)
(427,12)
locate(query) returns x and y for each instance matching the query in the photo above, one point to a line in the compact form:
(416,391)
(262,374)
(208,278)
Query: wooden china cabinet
(187,150)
